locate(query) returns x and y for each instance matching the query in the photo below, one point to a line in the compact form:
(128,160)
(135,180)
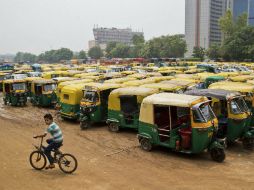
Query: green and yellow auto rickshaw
(70,98)
(245,89)
(15,92)
(2,78)
(123,107)
(29,81)
(233,114)
(94,104)
(63,84)
(42,92)
(180,122)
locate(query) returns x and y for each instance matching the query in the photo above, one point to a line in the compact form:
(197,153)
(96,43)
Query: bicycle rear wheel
(38,160)
(68,163)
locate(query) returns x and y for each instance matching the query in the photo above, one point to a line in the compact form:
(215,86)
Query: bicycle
(66,162)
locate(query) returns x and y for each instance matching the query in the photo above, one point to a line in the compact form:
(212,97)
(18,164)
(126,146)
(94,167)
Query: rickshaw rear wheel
(218,154)
(248,143)
(113,127)
(145,144)
(84,125)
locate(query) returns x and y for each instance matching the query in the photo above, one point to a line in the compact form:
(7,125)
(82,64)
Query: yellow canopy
(140,92)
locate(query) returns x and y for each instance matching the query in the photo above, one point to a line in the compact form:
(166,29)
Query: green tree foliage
(25,57)
(109,48)
(82,55)
(138,39)
(120,51)
(56,55)
(240,45)
(214,51)
(164,46)
(229,26)
(95,52)
(199,52)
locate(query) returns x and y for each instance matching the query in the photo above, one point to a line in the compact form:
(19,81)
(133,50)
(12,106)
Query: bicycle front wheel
(68,163)
(38,160)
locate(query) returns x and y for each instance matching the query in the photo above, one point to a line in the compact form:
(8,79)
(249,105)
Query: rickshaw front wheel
(218,154)
(145,144)
(113,127)
(248,143)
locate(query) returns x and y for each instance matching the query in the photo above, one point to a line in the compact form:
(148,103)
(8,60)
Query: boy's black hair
(48,116)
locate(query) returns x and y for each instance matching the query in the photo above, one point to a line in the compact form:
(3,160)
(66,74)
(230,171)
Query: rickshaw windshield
(91,96)
(203,113)
(19,86)
(49,87)
(238,106)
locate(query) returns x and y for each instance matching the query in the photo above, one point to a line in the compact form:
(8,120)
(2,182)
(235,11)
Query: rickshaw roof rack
(215,93)
(170,99)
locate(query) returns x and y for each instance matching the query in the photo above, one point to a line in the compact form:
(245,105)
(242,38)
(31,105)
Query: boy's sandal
(50,167)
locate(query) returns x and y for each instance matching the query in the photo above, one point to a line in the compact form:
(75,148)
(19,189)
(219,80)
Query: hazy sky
(39,25)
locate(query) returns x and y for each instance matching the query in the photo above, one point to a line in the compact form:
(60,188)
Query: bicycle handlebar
(39,136)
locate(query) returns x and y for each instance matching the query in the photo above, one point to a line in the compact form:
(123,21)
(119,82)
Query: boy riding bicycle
(53,143)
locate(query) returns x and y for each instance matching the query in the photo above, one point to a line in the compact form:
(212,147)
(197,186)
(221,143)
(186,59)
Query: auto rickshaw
(70,98)
(246,89)
(94,104)
(63,84)
(42,92)
(2,78)
(180,122)
(15,92)
(29,81)
(233,115)
(123,107)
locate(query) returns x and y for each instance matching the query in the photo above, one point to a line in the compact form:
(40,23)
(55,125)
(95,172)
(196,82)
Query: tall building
(202,23)
(238,7)
(103,36)
(202,20)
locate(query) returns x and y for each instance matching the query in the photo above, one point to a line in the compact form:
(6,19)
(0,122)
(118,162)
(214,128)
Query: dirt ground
(111,161)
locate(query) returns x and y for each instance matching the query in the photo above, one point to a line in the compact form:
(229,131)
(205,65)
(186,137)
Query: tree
(25,57)
(164,46)
(229,26)
(109,48)
(121,51)
(240,45)
(82,55)
(56,55)
(95,52)
(138,39)
(199,52)
(214,51)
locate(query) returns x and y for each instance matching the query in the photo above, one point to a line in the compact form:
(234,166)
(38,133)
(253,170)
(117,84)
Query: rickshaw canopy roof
(163,86)
(170,99)
(214,93)
(233,86)
(136,91)
(44,81)
(13,81)
(102,86)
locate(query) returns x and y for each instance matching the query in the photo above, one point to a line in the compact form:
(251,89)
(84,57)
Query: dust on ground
(111,160)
